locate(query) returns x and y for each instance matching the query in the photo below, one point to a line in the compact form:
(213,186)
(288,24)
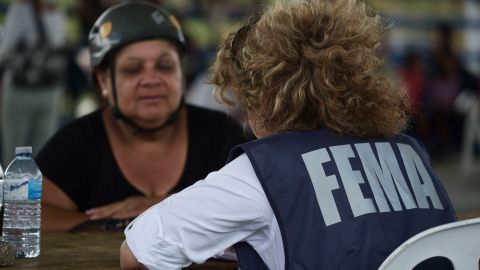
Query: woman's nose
(151,76)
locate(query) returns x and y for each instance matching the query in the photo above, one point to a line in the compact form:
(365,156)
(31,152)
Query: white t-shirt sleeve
(203,220)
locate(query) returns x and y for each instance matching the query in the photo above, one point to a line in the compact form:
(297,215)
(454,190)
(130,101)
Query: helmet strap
(117,113)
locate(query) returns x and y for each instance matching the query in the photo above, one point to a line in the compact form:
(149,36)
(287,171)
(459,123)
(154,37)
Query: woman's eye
(130,70)
(165,67)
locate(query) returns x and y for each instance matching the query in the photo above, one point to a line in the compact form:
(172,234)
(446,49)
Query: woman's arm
(130,207)
(127,260)
(59,212)
(203,220)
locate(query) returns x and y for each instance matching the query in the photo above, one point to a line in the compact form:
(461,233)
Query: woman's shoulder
(87,121)
(80,137)
(84,127)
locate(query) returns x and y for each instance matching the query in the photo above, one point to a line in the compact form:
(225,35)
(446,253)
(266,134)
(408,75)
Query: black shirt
(80,161)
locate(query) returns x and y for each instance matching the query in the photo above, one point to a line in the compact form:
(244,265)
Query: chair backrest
(458,241)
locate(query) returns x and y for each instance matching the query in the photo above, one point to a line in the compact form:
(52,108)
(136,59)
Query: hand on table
(128,208)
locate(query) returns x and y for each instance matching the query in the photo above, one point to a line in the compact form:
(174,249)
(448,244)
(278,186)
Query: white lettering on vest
(322,184)
(414,166)
(385,175)
(351,180)
(384,178)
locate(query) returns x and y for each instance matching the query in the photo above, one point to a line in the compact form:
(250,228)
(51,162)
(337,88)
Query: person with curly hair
(331,182)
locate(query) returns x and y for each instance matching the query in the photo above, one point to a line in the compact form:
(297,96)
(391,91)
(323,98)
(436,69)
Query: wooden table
(100,250)
(89,251)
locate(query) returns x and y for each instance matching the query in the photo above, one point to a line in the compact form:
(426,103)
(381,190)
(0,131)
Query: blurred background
(432,48)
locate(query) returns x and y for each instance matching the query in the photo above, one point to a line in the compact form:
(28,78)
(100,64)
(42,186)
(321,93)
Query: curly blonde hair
(304,65)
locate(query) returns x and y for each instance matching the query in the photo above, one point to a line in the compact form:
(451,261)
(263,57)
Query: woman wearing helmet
(146,143)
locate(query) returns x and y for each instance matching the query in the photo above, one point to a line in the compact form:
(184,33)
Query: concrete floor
(463,186)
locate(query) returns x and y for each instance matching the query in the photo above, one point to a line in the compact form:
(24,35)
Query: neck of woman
(126,134)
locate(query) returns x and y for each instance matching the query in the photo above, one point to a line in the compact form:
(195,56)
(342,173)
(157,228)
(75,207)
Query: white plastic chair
(457,241)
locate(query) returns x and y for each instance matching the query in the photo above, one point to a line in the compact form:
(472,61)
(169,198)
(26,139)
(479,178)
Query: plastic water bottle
(22,193)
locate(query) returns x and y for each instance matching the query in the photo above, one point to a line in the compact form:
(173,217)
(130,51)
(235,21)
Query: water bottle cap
(23,150)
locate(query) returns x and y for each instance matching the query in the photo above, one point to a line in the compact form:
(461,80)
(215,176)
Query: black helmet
(128,22)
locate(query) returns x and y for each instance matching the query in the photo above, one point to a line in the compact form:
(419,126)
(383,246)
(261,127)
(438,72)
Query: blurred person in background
(331,182)
(448,81)
(414,77)
(31,53)
(109,166)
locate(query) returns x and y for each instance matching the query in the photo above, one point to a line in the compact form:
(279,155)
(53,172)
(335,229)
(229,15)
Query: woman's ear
(102,78)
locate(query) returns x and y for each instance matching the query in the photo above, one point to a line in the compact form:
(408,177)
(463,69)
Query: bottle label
(21,190)
(15,190)
(34,189)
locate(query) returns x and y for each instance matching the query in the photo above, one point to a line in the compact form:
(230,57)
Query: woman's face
(148,81)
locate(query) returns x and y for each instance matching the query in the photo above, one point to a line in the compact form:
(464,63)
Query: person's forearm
(56,219)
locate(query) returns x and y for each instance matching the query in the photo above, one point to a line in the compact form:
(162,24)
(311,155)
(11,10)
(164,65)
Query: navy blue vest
(342,202)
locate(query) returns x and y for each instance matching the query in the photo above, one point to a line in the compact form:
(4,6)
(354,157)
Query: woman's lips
(150,99)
